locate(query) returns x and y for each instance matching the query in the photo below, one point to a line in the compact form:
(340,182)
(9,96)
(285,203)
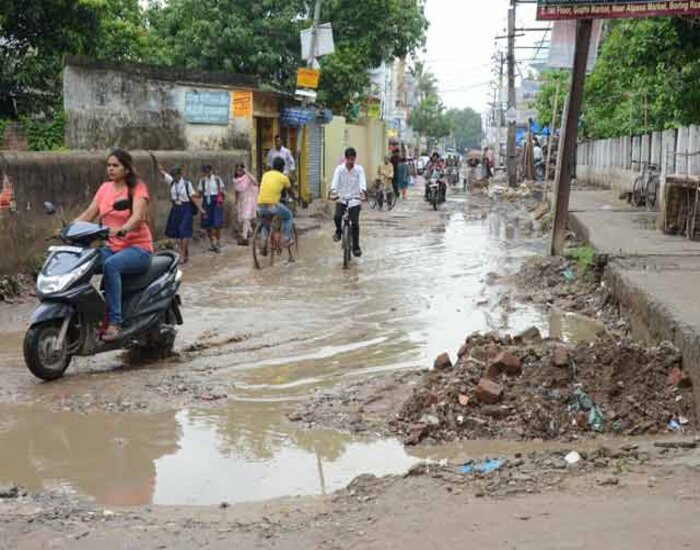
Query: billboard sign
(207,108)
(604,9)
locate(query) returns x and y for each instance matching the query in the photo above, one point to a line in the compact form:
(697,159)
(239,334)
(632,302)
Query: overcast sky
(461,44)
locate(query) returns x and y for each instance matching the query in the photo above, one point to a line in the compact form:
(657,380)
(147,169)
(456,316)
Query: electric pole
(512,163)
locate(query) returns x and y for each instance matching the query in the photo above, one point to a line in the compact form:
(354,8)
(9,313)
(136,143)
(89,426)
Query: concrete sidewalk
(654,277)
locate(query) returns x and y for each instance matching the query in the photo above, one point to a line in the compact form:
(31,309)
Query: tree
(645,78)
(429,120)
(467,129)
(426,83)
(544,103)
(35,35)
(367,33)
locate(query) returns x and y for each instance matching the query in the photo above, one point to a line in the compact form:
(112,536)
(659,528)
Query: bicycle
(645,188)
(346,242)
(382,196)
(267,241)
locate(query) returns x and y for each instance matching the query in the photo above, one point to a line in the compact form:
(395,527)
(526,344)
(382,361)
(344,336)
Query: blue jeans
(285,215)
(130,261)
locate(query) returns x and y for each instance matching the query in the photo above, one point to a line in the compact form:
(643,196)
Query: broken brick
(679,378)
(464,350)
(488,391)
(560,356)
(508,363)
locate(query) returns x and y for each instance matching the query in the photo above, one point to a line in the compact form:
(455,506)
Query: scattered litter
(568,274)
(674,426)
(485,467)
(572,458)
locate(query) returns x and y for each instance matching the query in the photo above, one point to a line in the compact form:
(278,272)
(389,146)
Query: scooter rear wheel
(41,358)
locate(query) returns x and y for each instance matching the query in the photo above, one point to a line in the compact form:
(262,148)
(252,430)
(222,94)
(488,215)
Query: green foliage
(429,119)
(645,65)
(467,129)
(584,256)
(544,102)
(45,135)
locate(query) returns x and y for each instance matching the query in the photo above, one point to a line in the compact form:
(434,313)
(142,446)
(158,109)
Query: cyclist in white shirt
(349,187)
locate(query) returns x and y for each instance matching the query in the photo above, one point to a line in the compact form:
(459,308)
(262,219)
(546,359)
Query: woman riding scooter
(130,246)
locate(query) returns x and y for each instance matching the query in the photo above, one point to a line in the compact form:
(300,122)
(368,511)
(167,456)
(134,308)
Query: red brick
(508,363)
(679,378)
(464,350)
(488,391)
(493,371)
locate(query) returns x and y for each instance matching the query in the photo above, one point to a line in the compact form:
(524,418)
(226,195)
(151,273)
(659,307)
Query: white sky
(461,44)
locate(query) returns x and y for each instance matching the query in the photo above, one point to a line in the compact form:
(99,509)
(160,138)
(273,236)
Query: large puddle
(424,283)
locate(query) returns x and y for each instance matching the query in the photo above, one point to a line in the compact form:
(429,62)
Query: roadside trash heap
(527,387)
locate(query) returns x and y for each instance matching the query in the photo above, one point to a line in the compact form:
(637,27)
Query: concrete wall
(615,163)
(368,138)
(140,109)
(70,180)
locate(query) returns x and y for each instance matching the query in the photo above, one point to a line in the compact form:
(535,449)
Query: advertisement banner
(308,78)
(563,42)
(242,104)
(606,9)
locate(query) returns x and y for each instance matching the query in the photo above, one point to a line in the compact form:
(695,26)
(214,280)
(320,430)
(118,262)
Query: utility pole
(313,63)
(552,131)
(512,159)
(567,144)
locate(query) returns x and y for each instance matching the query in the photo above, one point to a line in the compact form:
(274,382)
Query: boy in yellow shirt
(271,187)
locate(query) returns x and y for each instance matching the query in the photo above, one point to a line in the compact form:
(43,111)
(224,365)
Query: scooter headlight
(51,284)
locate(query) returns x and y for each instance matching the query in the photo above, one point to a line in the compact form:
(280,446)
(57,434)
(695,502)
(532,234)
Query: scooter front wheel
(43,359)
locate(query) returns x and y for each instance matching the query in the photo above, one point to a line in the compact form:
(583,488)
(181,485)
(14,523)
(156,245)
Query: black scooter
(70,319)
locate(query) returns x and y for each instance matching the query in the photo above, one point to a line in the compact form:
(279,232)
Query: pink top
(248,199)
(106,196)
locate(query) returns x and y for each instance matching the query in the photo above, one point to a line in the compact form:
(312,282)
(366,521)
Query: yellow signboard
(374,110)
(308,78)
(242,104)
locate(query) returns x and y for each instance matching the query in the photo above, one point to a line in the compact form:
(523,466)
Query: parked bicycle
(382,196)
(645,188)
(267,242)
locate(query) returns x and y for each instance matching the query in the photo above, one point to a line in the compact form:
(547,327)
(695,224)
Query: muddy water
(269,339)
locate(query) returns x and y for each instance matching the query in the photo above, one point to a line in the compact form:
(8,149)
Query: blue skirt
(180,222)
(215,214)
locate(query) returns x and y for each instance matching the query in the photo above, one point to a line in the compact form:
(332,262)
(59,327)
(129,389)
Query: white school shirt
(211,186)
(287,157)
(179,189)
(349,184)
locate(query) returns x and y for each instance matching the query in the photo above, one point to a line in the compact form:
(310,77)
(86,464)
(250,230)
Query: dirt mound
(504,387)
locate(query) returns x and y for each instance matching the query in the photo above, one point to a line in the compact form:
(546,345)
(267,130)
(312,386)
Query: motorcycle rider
(130,245)
(436,164)
(349,185)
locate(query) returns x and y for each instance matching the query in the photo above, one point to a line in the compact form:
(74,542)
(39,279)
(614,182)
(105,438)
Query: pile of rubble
(529,388)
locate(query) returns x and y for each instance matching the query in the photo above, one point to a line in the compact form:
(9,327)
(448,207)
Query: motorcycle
(453,175)
(435,192)
(71,317)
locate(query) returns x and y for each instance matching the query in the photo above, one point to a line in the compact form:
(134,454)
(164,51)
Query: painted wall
(109,107)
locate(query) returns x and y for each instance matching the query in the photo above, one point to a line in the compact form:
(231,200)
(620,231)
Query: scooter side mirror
(49,208)
(122,205)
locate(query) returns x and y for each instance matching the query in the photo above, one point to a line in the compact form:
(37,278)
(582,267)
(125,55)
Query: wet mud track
(210,424)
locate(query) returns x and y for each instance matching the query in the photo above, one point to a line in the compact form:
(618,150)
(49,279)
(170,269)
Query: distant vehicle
(422,163)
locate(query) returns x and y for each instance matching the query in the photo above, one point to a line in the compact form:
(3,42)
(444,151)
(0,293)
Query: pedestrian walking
(246,188)
(404,177)
(212,190)
(185,205)
(279,150)
(395,161)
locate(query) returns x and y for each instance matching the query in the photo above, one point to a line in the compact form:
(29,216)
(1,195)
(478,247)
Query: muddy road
(210,425)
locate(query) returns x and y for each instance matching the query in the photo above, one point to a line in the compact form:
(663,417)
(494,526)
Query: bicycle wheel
(391,200)
(373,200)
(434,200)
(260,246)
(638,191)
(293,249)
(651,192)
(347,245)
